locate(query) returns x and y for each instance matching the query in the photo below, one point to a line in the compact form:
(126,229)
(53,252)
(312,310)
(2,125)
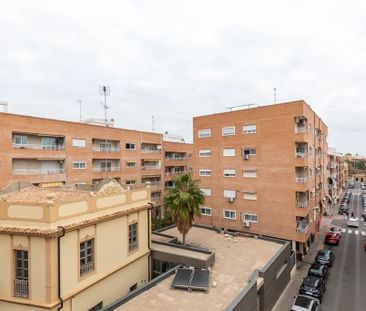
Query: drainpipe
(149,239)
(59,267)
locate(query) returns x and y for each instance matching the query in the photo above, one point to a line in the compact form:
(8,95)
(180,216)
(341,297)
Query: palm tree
(183,202)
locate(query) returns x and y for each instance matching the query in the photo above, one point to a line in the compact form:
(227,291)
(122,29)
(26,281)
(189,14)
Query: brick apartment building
(263,170)
(337,174)
(50,153)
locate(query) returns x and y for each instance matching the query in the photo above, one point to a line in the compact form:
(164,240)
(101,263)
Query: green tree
(183,202)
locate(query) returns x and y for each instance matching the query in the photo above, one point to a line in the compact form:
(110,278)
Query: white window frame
(228,131)
(205,170)
(23,140)
(206,211)
(250,215)
(207,191)
(79,142)
(249,170)
(131,162)
(131,182)
(204,133)
(250,192)
(205,153)
(229,211)
(250,149)
(231,195)
(79,165)
(229,172)
(134,144)
(228,152)
(249,129)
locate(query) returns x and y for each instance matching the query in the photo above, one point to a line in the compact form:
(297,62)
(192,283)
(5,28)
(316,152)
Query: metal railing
(301,155)
(106,149)
(151,167)
(175,158)
(302,229)
(150,183)
(106,169)
(301,180)
(21,288)
(85,269)
(301,129)
(150,150)
(174,172)
(38,172)
(302,204)
(38,146)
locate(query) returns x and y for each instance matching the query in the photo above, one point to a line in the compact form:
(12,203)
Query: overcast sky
(178,59)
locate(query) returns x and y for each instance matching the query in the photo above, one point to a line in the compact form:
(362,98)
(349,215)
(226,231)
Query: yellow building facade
(72,250)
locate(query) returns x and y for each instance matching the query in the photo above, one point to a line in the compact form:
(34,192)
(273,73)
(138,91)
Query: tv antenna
(79,101)
(153,124)
(275,95)
(233,107)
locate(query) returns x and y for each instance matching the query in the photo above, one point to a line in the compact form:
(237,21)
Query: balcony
(150,148)
(108,165)
(38,146)
(301,150)
(301,180)
(302,225)
(106,169)
(301,125)
(303,204)
(303,229)
(21,288)
(38,142)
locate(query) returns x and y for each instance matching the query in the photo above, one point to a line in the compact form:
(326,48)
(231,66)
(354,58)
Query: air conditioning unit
(231,200)
(246,223)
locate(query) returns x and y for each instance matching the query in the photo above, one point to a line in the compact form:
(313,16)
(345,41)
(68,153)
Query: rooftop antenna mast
(275,95)
(233,107)
(79,101)
(105,91)
(153,124)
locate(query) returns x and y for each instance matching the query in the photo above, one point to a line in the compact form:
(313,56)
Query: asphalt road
(346,286)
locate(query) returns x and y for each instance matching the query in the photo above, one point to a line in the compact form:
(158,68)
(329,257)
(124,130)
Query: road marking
(363,233)
(343,230)
(349,231)
(356,232)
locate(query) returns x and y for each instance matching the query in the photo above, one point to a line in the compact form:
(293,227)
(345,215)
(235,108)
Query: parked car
(319,270)
(325,256)
(313,286)
(305,303)
(332,238)
(353,222)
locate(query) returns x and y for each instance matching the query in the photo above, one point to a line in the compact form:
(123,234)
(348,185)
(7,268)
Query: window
(131,182)
(249,129)
(21,274)
(51,143)
(20,140)
(229,194)
(79,142)
(105,147)
(130,146)
(190,168)
(205,172)
(227,131)
(132,237)
(250,195)
(130,164)
(228,152)
(229,214)
(79,165)
(250,172)
(250,152)
(97,307)
(86,257)
(205,153)
(204,133)
(105,166)
(250,217)
(207,211)
(206,191)
(229,173)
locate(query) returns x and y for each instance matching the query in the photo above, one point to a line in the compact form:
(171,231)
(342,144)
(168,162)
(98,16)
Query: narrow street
(345,289)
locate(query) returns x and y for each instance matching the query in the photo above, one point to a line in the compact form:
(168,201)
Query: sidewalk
(285,301)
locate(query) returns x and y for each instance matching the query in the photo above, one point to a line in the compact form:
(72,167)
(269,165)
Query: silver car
(305,303)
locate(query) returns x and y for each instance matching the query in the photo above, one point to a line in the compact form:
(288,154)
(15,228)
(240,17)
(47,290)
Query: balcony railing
(85,269)
(106,169)
(150,150)
(175,158)
(21,288)
(38,172)
(302,204)
(303,229)
(38,146)
(152,183)
(301,180)
(301,129)
(151,167)
(301,155)
(106,149)
(174,172)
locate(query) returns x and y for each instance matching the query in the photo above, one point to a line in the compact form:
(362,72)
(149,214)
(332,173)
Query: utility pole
(105,91)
